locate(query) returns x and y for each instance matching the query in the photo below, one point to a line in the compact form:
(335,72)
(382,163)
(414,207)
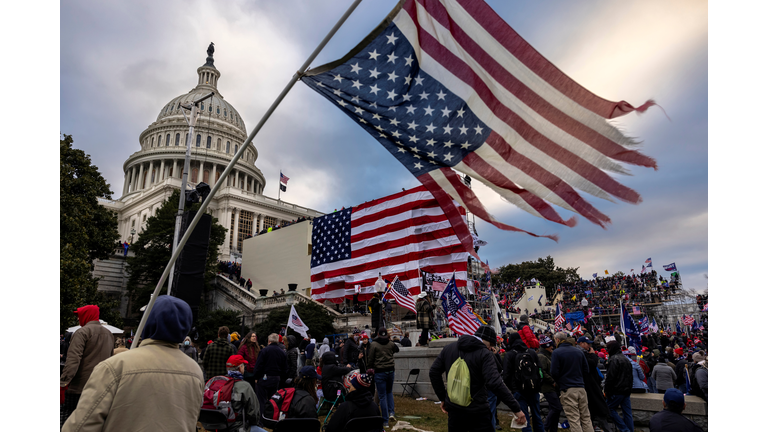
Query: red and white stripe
(550,136)
(404,300)
(463,322)
(396,236)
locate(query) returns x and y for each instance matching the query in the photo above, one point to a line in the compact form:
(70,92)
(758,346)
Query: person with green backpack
(523,376)
(472,371)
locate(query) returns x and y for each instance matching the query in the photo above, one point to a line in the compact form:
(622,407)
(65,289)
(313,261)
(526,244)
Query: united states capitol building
(154,171)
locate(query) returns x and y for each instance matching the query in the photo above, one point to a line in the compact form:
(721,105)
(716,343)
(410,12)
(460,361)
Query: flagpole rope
(232,163)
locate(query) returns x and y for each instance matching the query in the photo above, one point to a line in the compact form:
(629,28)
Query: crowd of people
(588,379)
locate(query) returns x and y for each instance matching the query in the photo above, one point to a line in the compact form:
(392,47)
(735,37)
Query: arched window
(197,143)
(178,137)
(208,142)
(227,147)
(194,175)
(210,108)
(235,148)
(153,142)
(225,112)
(168,140)
(202,107)
(186,138)
(217,110)
(218,144)
(205,176)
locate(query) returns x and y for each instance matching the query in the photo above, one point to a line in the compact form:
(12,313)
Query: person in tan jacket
(90,344)
(152,387)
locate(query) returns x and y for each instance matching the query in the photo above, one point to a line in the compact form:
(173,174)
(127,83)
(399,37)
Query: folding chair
(340,393)
(365,424)
(411,386)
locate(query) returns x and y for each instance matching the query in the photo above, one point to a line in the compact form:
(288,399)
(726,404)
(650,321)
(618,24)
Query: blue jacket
(569,366)
(638,376)
(272,361)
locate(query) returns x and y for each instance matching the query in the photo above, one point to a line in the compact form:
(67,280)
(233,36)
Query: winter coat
(358,404)
(244,400)
(324,348)
(424,318)
(680,371)
(216,356)
(302,406)
(664,375)
(618,380)
(598,407)
(292,359)
(90,345)
(638,377)
(153,387)
(518,347)
(381,356)
(666,420)
(375,305)
(251,359)
(332,372)
(405,342)
(351,352)
(527,335)
(545,363)
(483,374)
(569,366)
(272,361)
(190,351)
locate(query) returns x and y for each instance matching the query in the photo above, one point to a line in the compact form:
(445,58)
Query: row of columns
(225,215)
(140,178)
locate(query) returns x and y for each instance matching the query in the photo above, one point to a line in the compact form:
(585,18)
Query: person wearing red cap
(680,369)
(244,400)
(90,345)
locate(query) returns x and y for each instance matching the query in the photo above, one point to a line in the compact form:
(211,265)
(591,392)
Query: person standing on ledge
(424,319)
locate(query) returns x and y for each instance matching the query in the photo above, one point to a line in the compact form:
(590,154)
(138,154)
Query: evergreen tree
(152,250)
(543,270)
(88,231)
(315,316)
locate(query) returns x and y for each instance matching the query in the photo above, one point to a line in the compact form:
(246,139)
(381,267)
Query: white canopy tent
(112,329)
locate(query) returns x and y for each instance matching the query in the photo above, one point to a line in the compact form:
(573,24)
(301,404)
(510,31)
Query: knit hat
(601,355)
(365,336)
(679,351)
(698,357)
(545,342)
(486,333)
(358,381)
(235,336)
(632,350)
(524,318)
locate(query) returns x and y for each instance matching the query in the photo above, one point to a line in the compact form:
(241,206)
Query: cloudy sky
(120,62)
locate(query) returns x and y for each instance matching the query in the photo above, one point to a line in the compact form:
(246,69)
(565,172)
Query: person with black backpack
(523,377)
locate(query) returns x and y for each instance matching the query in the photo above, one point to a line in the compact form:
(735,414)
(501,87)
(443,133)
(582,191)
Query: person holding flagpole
(424,318)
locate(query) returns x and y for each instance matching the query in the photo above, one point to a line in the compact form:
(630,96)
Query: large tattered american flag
(459,314)
(393,236)
(447,85)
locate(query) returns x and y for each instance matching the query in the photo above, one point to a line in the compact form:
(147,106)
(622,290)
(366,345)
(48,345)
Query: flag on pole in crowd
(654,327)
(568,326)
(295,323)
(636,310)
(589,315)
(677,324)
(643,270)
(594,275)
(401,234)
(688,319)
(459,315)
(577,329)
(559,318)
(606,272)
(632,270)
(629,328)
(448,85)
(401,295)
(694,326)
(705,308)
(670,267)
(644,326)
(649,263)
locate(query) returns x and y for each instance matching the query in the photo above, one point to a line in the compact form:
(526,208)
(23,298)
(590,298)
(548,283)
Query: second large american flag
(393,236)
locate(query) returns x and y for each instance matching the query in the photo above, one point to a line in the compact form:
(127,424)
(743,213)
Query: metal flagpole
(280,184)
(234,160)
(185,175)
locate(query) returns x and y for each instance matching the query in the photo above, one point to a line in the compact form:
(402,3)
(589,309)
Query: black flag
(283,187)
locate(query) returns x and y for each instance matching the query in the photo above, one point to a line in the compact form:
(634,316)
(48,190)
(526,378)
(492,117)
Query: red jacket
(527,336)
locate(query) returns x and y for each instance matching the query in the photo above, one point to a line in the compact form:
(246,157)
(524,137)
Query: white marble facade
(153,172)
